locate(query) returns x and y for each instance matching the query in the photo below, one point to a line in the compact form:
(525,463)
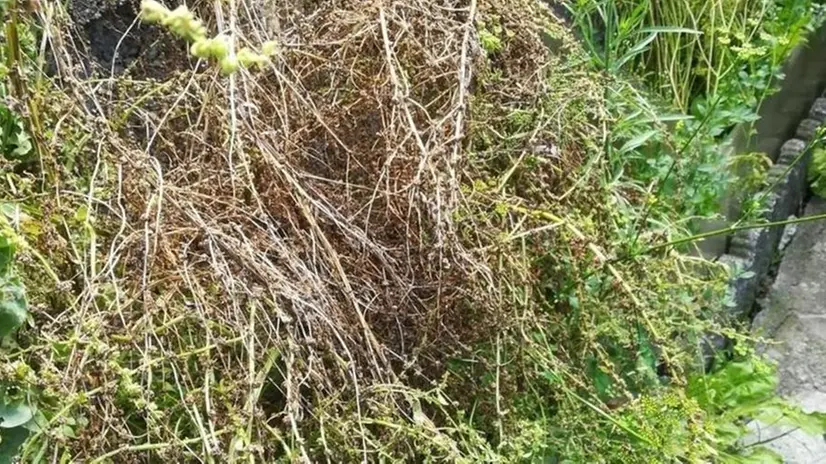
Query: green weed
(817,172)
(490,37)
(716,62)
(743,390)
(18,404)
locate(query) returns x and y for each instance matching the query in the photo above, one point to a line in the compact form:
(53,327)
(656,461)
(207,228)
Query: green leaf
(602,381)
(646,349)
(669,117)
(728,433)
(813,423)
(67,431)
(780,412)
(38,422)
(759,455)
(10,442)
(638,141)
(10,210)
(14,415)
(744,386)
(12,307)
(24,145)
(635,50)
(671,30)
(6,254)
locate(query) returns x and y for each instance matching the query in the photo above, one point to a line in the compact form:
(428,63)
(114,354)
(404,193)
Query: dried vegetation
(362,251)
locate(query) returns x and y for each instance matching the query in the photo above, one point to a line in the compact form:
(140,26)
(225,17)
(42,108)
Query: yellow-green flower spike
(269,48)
(153,12)
(229,65)
(183,23)
(248,58)
(216,47)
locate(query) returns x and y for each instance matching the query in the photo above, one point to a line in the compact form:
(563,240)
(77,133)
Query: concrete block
(807,128)
(818,110)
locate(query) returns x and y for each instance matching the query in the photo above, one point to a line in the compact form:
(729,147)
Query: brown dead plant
(287,257)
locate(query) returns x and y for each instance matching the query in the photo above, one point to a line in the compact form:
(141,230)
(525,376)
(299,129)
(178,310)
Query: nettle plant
(183,23)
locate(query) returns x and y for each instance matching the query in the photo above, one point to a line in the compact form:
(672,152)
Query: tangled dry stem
(278,251)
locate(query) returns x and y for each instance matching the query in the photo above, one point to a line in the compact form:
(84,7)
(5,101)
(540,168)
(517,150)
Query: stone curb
(751,251)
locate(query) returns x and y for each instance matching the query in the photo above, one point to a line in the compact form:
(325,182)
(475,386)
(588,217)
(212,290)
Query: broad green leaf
(12,308)
(10,210)
(38,422)
(768,413)
(742,387)
(750,390)
(24,146)
(22,141)
(6,254)
(813,423)
(728,433)
(67,431)
(10,442)
(759,455)
(14,415)
(781,412)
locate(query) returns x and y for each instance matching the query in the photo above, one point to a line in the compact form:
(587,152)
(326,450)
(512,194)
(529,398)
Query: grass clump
(404,238)
(710,63)
(702,48)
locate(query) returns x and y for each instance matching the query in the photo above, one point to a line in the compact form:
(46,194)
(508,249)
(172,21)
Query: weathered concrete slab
(795,446)
(752,251)
(800,287)
(795,318)
(800,352)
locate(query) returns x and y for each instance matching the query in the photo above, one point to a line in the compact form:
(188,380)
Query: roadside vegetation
(351,231)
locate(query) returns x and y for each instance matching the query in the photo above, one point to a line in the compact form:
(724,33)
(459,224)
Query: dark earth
(117,41)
